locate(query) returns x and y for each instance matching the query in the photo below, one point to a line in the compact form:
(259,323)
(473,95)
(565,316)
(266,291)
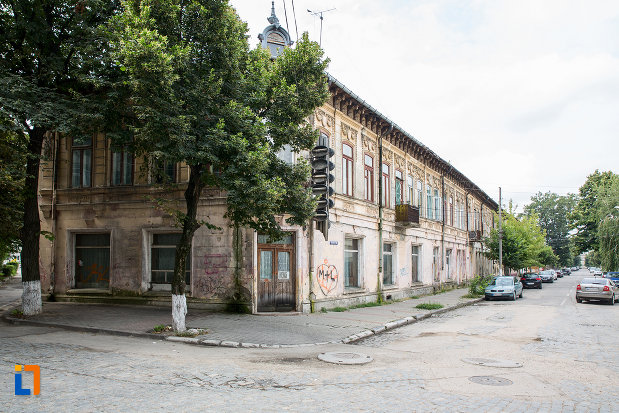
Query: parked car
(613,276)
(597,272)
(559,273)
(504,287)
(531,280)
(601,289)
(566,271)
(547,276)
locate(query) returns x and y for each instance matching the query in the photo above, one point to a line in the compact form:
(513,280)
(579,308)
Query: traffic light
(321,186)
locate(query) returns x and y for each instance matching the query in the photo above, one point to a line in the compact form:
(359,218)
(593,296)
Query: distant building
(111,244)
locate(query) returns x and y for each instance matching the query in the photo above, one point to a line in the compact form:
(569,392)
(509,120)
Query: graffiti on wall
(327,277)
(213,282)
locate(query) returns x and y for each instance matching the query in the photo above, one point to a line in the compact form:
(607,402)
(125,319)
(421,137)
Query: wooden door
(276,277)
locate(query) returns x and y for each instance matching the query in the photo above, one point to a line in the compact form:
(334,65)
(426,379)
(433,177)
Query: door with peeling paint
(276,277)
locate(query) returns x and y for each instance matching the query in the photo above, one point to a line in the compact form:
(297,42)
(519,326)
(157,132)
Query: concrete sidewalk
(241,330)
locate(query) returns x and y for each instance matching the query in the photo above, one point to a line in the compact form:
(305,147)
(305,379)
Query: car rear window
(593,281)
(546,272)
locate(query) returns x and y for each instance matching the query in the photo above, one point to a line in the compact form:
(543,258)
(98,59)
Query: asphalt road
(541,353)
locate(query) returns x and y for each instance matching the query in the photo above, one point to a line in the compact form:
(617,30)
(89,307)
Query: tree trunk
(31,231)
(190,225)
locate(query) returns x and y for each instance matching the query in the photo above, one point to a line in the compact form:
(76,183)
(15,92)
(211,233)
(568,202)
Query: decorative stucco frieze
(325,120)
(348,133)
(400,163)
(369,144)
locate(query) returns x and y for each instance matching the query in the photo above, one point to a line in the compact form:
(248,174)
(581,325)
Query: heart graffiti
(327,277)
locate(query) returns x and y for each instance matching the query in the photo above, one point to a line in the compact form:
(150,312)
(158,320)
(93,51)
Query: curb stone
(234,344)
(408,320)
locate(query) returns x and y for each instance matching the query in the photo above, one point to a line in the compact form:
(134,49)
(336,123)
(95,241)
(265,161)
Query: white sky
(522,94)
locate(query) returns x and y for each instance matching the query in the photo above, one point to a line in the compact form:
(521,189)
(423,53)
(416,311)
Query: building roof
(350,103)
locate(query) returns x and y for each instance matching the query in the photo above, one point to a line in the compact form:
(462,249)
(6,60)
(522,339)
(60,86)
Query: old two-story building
(404,222)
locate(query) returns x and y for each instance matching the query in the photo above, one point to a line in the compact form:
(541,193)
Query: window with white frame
(437,205)
(411,190)
(399,188)
(386,183)
(420,196)
(388,263)
(429,203)
(351,263)
(416,263)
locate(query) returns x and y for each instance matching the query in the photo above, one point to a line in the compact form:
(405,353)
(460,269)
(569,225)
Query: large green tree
(51,56)
(12,174)
(553,212)
(585,218)
(523,243)
(608,227)
(200,96)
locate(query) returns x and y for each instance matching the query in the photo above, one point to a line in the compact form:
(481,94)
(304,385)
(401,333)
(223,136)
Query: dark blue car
(613,275)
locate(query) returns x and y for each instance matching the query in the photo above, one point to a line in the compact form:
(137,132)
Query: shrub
(6,271)
(479,283)
(159,328)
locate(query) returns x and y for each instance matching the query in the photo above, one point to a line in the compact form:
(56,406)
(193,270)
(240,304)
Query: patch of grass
(339,309)
(363,305)
(429,306)
(192,332)
(17,313)
(160,328)
(472,295)
(414,297)
(323,310)
(441,291)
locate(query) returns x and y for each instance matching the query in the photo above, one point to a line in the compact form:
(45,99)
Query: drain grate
(345,358)
(506,364)
(491,380)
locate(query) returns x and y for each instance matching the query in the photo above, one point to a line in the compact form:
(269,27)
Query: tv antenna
(319,13)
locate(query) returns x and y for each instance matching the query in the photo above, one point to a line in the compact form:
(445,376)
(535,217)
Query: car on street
(559,273)
(597,272)
(504,287)
(566,271)
(601,289)
(613,276)
(531,280)
(547,276)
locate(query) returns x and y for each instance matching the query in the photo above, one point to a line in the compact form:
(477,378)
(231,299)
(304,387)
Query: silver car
(602,289)
(504,287)
(547,276)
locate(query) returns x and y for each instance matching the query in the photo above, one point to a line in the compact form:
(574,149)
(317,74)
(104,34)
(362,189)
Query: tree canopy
(201,97)
(553,212)
(523,243)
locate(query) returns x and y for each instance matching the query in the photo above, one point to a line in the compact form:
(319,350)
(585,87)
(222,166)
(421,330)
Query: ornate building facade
(405,221)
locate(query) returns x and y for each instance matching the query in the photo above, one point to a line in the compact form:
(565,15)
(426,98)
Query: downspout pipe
(52,277)
(379,281)
(444,218)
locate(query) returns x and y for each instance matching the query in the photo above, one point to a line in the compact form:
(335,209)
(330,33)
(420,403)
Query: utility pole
(319,13)
(500,237)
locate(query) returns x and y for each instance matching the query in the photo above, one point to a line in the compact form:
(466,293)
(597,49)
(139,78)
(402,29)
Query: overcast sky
(522,94)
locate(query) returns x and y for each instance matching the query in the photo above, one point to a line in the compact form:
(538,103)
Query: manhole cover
(505,364)
(490,380)
(345,358)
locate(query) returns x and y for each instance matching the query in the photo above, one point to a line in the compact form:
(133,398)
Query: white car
(597,272)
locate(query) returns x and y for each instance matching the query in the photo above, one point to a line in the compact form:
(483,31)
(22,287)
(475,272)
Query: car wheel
(521,291)
(513,297)
(540,286)
(578,300)
(612,300)
(487,298)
